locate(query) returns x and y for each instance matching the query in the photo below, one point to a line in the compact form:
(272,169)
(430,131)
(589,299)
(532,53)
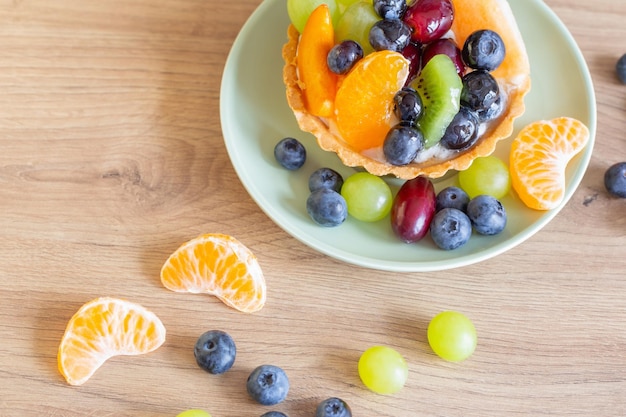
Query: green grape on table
(194,413)
(452,336)
(300,10)
(487,175)
(383,370)
(355,24)
(368,197)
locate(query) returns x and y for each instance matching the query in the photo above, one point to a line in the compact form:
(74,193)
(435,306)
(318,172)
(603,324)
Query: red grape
(429,19)
(448,47)
(413,209)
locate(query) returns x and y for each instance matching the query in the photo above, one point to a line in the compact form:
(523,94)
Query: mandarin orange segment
(319,84)
(218,265)
(364,101)
(103,328)
(539,156)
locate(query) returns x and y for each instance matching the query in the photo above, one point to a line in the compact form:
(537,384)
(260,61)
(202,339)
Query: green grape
(355,24)
(452,336)
(300,10)
(487,175)
(344,4)
(194,413)
(383,370)
(368,197)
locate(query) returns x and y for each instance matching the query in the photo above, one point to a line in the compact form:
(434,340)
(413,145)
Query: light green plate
(255,116)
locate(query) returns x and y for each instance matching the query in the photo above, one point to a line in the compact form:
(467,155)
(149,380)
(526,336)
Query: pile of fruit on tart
(407,89)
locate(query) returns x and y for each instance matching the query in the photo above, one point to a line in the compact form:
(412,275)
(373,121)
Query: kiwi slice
(439,87)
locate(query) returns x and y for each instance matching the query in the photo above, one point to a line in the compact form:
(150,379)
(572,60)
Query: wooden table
(112,155)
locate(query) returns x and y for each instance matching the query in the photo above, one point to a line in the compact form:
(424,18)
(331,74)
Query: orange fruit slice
(103,328)
(319,84)
(364,101)
(219,265)
(539,155)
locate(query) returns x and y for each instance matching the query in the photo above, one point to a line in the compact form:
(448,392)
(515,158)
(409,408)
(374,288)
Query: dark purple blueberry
(268,385)
(483,50)
(333,407)
(327,207)
(389,34)
(487,215)
(274,414)
(408,105)
(452,197)
(462,132)
(615,180)
(290,153)
(450,229)
(413,52)
(390,9)
(620,68)
(343,56)
(480,90)
(448,47)
(402,144)
(325,178)
(215,351)
(493,112)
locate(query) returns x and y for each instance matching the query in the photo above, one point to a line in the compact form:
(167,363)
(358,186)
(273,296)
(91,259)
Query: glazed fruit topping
(480,90)
(462,132)
(408,105)
(390,34)
(484,50)
(402,144)
(390,9)
(343,56)
(429,19)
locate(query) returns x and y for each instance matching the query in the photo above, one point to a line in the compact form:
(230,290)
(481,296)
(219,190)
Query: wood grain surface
(111,156)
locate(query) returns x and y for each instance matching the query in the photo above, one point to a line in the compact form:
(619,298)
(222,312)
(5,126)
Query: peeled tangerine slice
(219,265)
(513,76)
(103,328)
(539,155)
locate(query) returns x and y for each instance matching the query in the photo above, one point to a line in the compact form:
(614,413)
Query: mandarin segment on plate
(364,102)
(319,84)
(103,328)
(539,156)
(218,265)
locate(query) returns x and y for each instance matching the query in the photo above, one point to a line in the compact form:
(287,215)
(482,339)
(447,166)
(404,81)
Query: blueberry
(268,385)
(390,9)
(408,105)
(274,414)
(483,50)
(327,207)
(452,197)
(492,112)
(215,351)
(402,144)
(325,178)
(290,153)
(620,67)
(615,179)
(487,215)
(462,132)
(390,34)
(333,407)
(480,90)
(450,228)
(343,56)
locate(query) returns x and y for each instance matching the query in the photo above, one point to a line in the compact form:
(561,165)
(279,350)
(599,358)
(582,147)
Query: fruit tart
(405,89)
